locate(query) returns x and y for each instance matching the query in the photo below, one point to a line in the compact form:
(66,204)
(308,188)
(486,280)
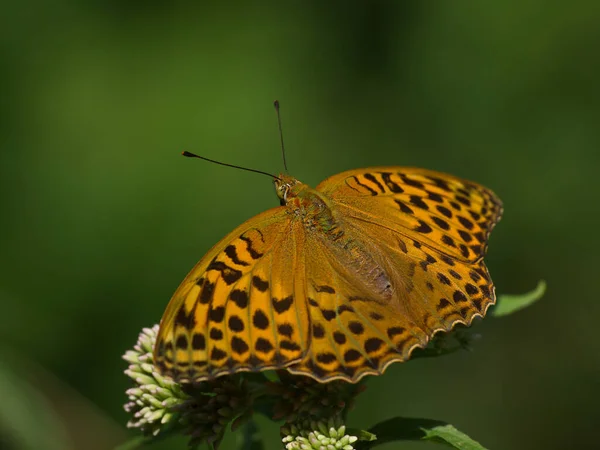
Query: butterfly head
(286,187)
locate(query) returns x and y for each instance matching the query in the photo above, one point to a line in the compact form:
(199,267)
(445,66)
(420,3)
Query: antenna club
(276,105)
(188,154)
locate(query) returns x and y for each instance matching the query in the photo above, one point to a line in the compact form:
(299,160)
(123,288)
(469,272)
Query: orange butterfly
(338,282)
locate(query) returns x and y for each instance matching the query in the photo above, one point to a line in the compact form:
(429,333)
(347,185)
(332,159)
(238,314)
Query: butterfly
(337,282)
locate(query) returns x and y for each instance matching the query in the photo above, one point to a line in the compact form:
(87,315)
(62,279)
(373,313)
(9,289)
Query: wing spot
(464,250)
(182,318)
(405,209)
(325,288)
(448,240)
(344,308)
(395,331)
(239,345)
(260,320)
(465,222)
(217,354)
(418,202)
(485,289)
(435,197)
(198,341)
(231,252)
(217,314)
(411,182)
(229,274)
(445,211)
(240,298)
(253,253)
(318,331)
(259,283)
(373,344)
(471,289)
(236,324)
(447,260)
(208,290)
(455,274)
(465,201)
(352,355)
(356,328)
(475,215)
(375,315)
(440,223)
(392,186)
(289,345)
(465,236)
(474,276)
(441,184)
(443,303)
(328,314)
(216,334)
(339,337)
(263,345)
(444,279)
(402,246)
(372,179)
(458,297)
(286,330)
(181,342)
(282,305)
(326,358)
(423,228)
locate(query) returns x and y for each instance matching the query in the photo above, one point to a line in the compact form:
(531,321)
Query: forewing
(237,309)
(448,214)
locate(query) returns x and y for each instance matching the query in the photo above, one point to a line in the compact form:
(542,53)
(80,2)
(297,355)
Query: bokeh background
(101,217)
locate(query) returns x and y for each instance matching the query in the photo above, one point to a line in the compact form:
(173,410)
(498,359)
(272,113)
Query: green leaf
(447,434)
(415,429)
(508,304)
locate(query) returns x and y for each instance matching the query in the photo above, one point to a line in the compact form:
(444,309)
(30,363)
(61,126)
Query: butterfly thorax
(315,211)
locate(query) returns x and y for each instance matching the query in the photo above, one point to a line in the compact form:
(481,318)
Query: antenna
(276,104)
(193,155)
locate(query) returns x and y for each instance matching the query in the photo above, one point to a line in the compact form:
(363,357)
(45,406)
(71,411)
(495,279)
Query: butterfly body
(337,282)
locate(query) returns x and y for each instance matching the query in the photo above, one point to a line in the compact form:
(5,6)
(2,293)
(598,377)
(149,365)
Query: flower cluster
(158,404)
(317,435)
(153,398)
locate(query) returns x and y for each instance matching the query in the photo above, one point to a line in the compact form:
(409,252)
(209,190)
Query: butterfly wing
(443,212)
(237,310)
(426,232)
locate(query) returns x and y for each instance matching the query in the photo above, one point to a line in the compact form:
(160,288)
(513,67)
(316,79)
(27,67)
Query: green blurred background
(101,217)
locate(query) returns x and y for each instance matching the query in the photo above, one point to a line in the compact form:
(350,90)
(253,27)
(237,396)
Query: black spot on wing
(372,179)
(229,274)
(239,297)
(370,190)
(282,305)
(423,228)
(404,208)
(260,320)
(259,283)
(231,252)
(325,288)
(395,188)
(253,253)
